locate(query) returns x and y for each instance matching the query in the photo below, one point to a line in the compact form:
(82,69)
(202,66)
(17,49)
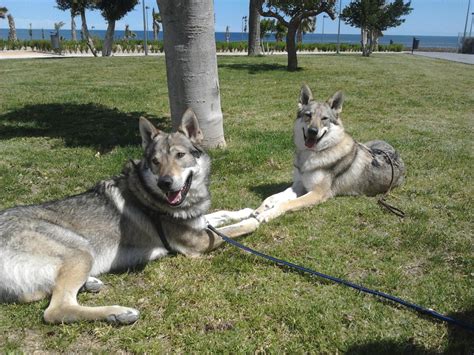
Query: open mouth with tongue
(311,140)
(175,198)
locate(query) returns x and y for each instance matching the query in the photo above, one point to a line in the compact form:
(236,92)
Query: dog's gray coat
(329,162)
(57,247)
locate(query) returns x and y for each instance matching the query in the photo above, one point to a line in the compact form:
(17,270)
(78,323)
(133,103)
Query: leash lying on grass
(303,269)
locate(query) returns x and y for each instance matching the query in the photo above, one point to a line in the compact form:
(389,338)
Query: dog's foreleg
(64,308)
(244,227)
(289,194)
(220,218)
(318,195)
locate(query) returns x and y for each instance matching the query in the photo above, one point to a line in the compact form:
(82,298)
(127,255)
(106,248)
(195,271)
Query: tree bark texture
(85,33)
(254,28)
(191,65)
(73,28)
(11,28)
(109,39)
(291,47)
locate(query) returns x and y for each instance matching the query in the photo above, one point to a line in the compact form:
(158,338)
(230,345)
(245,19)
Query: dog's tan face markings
(314,118)
(171,159)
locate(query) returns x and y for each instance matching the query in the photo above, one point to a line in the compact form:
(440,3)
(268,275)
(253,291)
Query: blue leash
(346,283)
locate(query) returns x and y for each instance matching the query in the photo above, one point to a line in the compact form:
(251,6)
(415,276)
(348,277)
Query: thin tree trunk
(191,65)
(85,32)
(291,47)
(155,31)
(299,35)
(73,27)
(254,28)
(109,39)
(12,29)
(363,42)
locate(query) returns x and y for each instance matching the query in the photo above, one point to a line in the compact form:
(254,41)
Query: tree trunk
(363,42)
(73,27)
(254,28)
(109,39)
(85,33)
(291,47)
(155,31)
(191,65)
(12,29)
(299,35)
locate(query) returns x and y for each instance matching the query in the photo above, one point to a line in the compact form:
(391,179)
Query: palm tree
(254,28)
(3,11)
(11,28)
(280,31)
(156,16)
(57,26)
(308,25)
(73,26)
(266,26)
(78,7)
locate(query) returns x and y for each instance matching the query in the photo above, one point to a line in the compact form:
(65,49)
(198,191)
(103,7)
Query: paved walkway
(23,54)
(454,57)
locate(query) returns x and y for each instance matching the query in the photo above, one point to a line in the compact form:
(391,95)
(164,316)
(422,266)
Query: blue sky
(429,17)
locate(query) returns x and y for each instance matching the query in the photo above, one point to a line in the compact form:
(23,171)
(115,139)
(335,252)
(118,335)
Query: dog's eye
(325,118)
(155,161)
(180,155)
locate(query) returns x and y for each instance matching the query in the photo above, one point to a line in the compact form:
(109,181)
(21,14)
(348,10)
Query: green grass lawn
(67,123)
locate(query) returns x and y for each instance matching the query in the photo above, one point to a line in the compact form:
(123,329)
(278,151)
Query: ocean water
(425,41)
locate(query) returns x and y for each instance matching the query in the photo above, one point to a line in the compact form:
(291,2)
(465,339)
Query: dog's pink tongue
(174,197)
(309,143)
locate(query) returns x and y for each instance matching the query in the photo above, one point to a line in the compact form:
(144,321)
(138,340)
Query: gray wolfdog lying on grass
(328,162)
(155,206)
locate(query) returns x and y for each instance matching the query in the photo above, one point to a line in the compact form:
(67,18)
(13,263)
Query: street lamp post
(472,19)
(322,34)
(144,28)
(339,28)
(467,19)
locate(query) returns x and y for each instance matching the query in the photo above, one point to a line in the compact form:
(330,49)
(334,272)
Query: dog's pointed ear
(147,131)
(305,95)
(190,127)
(335,102)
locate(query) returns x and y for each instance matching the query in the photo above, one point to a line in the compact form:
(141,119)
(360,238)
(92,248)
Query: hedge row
(131,46)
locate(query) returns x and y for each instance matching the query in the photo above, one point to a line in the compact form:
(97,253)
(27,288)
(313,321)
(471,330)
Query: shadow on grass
(460,341)
(263,191)
(79,125)
(254,68)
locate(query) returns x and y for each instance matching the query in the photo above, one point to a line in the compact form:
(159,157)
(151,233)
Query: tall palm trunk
(11,28)
(85,33)
(73,27)
(254,28)
(191,65)
(109,39)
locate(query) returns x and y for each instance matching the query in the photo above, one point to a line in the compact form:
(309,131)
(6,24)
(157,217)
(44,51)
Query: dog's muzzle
(312,138)
(174,198)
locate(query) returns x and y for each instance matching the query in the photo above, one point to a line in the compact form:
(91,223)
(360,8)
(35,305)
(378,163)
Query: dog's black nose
(165,182)
(313,131)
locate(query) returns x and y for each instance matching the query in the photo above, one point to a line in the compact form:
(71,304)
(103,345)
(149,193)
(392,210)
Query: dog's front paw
(123,315)
(267,215)
(92,285)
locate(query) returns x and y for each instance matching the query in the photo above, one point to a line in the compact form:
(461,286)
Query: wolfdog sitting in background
(328,162)
(154,207)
